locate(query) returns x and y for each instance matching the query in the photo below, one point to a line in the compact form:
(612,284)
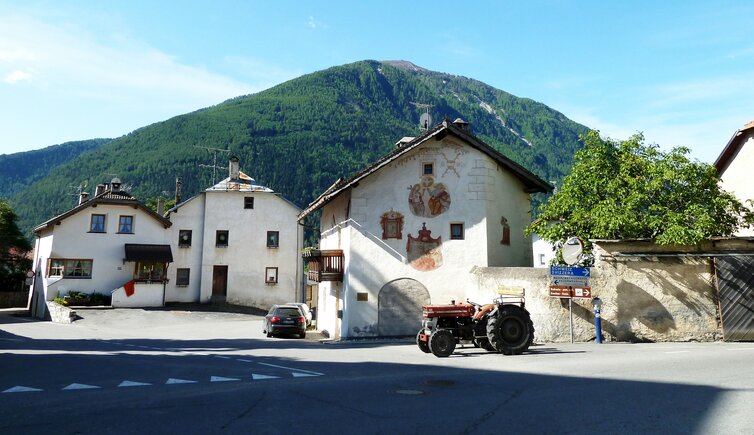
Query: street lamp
(597,302)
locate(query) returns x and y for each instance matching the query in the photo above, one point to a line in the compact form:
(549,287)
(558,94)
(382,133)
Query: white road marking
(292,369)
(132,384)
(679,351)
(740,348)
(221,356)
(21,389)
(222,379)
(75,386)
(304,375)
(178,381)
(244,360)
(257,377)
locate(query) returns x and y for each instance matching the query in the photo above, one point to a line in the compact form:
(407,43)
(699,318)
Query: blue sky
(682,72)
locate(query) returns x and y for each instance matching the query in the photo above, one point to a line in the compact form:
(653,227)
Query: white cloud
(16,76)
(315,24)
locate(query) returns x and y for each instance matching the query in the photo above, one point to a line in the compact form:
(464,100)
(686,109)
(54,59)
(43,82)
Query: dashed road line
(128,383)
(21,389)
(222,379)
(173,381)
(76,386)
(292,369)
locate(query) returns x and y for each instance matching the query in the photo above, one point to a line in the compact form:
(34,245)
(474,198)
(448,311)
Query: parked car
(307,312)
(285,319)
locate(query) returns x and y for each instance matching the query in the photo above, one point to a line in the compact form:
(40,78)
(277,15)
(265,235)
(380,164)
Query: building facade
(407,230)
(733,166)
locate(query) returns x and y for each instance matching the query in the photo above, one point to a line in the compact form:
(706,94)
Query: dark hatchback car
(285,319)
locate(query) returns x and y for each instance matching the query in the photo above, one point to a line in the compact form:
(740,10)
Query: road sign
(569,271)
(572,281)
(562,291)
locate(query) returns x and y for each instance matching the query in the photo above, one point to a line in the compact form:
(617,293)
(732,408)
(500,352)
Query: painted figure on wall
(392,225)
(427,198)
(424,252)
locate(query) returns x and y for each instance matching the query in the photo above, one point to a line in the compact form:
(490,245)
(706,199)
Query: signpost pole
(570,313)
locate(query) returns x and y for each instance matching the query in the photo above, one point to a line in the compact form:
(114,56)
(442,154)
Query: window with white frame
(69,268)
(271,275)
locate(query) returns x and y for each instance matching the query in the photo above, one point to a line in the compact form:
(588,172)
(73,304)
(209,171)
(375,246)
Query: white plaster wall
(72,239)
(247,254)
(190,216)
(371,262)
(144,295)
(542,251)
(333,230)
(737,177)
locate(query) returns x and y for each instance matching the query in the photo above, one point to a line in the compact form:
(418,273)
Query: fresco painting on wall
(424,252)
(506,231)
(392,225)
(427,198)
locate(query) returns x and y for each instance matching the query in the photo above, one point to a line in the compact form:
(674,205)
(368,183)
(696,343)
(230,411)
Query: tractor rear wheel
(511,330)
(423,345)
(442,343)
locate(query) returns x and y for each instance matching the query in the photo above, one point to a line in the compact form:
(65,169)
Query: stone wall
(649,293)
(60,313)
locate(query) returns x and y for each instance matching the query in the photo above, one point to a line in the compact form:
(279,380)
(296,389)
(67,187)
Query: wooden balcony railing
(325,264)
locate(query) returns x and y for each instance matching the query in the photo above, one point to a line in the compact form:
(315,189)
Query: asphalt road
(136,371)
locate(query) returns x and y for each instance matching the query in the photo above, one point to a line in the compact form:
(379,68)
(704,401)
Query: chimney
(234,168)
(99,190)
(160,206)
(178,183)
(460,123)
(83,196)
(403,141)
(115,184)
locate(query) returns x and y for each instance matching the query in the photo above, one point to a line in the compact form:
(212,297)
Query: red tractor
(503,326)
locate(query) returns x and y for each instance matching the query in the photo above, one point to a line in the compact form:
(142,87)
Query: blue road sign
(569,271)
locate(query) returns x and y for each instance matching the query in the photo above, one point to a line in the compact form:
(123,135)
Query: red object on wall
(129,287)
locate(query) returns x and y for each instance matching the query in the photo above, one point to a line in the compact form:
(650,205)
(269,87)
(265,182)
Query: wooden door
(219,280)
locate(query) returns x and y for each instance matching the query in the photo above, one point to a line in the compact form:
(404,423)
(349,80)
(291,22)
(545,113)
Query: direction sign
(569,271)
(562,291)
(572,281)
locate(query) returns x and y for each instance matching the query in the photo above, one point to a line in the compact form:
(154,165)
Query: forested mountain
(18,171)
(300,136)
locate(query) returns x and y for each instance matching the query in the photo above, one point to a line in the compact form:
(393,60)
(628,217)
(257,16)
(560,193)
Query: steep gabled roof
(108,197)
(730,150)
(531,182)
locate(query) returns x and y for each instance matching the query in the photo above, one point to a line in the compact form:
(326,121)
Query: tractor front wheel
(511,330)
(442,343)
(423,345)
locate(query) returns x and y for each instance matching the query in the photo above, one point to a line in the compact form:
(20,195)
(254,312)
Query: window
(184,238)
(273,239)
(97,224)
(126,225)
(149,270)
(69,268)
(542,261)
(428,169)
(271,275)
(456,232)
(182,276)
(362,297)
(221,238)
(248,202)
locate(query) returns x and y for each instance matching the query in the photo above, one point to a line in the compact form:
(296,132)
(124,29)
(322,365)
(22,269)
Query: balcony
(324,265)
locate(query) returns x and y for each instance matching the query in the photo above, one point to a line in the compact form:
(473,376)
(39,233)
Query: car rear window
(289,312)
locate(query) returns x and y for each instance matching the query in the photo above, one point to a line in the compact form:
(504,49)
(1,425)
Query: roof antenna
(425,120)
(214,166)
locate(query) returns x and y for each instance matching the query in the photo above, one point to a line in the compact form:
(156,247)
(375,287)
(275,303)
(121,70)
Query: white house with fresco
(407,230)
(110,243)
(734,168)
(238,242)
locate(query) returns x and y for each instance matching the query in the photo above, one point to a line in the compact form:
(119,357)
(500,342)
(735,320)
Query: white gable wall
(190,216)
(479,195)
(737,176)
(72,240)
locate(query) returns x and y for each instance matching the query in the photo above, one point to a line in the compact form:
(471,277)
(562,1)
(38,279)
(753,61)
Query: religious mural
(392,225)
(427,198)
(424,252)
(506,231)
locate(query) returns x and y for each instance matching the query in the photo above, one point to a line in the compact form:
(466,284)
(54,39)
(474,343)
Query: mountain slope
(20,170)
(300,136)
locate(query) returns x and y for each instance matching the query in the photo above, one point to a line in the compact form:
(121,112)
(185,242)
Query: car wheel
(302,335)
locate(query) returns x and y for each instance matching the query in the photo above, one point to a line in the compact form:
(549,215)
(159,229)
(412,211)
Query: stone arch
(399,307)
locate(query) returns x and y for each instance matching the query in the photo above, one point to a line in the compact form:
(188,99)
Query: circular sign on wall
(572,250)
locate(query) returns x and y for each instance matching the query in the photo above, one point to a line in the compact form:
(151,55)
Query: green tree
(629,190)
(14,248)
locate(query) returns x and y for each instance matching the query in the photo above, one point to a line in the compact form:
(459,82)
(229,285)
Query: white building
(238,242)
(99,246)
(407,230)
(733,166)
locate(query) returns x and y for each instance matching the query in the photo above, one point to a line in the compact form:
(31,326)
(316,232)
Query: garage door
(400,307)
(735,284)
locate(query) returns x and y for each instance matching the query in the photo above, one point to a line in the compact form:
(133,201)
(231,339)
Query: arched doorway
(399,307)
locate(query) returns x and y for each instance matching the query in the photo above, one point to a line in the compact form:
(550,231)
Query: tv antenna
(214,166)
(425,120)
(77,190)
